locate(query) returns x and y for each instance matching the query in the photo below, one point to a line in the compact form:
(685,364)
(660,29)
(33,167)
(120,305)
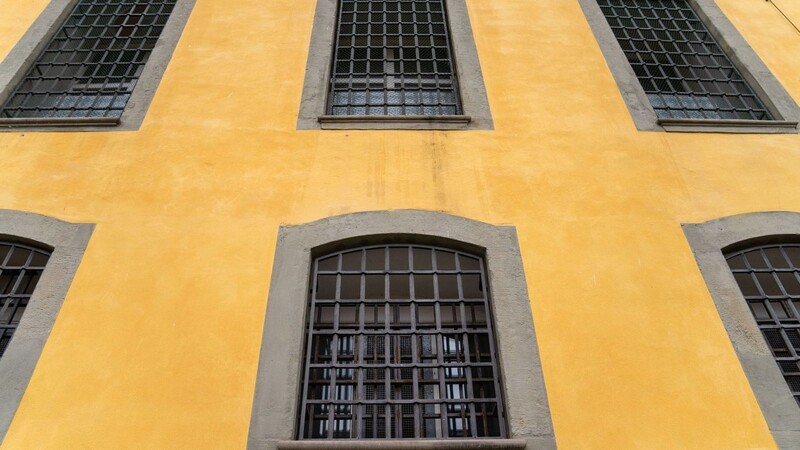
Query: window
(88,70)
(400,345)
(769,278)
(38,259)
(393,58)
(683,70)
(750,266)
(396,326)
(21,267)
(692,68)
(393,64)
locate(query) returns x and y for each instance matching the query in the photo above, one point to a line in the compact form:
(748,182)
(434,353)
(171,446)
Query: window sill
(728,126)
(394,122)
(411,444)
(47,122)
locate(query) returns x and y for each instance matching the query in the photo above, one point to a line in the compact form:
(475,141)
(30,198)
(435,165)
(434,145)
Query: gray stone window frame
(769,90)
(709,242)
(68,242)
(274,419)
(24,54)
(472,91)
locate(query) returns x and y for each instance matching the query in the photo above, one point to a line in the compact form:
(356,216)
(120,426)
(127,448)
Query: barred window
(680,65)
(92,63)
(20,269)
(769,278)
(400,345)
(393,58)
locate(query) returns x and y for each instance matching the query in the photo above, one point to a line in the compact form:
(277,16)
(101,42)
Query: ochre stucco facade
(157,343)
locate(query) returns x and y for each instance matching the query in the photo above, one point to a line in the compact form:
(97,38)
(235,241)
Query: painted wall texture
(157,343)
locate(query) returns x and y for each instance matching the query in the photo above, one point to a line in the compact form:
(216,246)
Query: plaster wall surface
(157,342)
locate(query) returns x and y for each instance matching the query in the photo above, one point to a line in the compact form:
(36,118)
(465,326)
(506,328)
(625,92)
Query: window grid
(769,278)
(20,269)
(681,67)
(92,63)
(400,345)
(393,58)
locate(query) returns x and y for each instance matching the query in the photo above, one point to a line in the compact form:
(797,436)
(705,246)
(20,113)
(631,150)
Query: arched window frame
(277,395)
(67,241)
(710,241)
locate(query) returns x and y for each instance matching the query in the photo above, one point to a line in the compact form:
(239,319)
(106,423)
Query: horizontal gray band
(393,444)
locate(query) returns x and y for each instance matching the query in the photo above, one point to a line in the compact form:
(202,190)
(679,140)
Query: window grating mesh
(20,269)
(769,278)
(393,57)
(683,70)
(400,345)
(90,66)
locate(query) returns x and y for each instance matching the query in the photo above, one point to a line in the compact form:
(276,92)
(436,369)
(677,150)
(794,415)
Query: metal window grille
(769,278)
(91,65)
(20,269)
(683,70)
(393,58)
(400,345)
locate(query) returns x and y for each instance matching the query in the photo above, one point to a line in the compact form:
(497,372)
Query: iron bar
(769,278)
(393,58)
(21,266)
(412,361)
(92,63)
(680,65)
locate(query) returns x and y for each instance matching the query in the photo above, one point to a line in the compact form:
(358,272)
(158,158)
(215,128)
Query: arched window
(20,269)
(393,326)
(769,278)
(400,345)
(750,263)
(31,294)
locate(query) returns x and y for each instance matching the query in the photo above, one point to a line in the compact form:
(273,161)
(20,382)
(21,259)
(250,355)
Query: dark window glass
(680,65)
(400,345)
(20,269)
(90,66)
(393,57)
(769,278)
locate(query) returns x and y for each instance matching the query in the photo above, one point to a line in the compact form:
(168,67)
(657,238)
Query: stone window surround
(755,72)
(709,241)
(274,419)
(15,66)
(68,242)
(476,114)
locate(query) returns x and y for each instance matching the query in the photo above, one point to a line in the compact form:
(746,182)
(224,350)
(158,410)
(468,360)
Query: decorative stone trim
(68,241)
(709,241)
(275,406)
(755,72)
(728,126)
(474,100)
(24,54)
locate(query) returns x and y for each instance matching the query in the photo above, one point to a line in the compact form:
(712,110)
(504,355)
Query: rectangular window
(393,58)
(681,67)
(92,63)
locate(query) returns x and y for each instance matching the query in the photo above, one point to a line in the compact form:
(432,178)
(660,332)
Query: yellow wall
(157,342)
